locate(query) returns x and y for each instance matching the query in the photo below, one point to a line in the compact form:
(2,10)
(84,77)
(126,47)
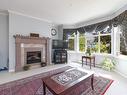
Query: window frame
(100,35)
(76,41)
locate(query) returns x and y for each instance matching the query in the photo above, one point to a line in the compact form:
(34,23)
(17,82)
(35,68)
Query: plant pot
(25,68)
(43,64)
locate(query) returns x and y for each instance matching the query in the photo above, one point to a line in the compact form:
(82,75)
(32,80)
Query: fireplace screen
(33,57)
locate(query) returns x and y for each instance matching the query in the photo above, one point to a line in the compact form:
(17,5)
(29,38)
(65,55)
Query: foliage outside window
(100,43)
(82,43)
(71,40)
(92,43)
(71,43)
(97,43)
(105,44)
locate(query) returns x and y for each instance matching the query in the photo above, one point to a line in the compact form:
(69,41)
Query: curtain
(81,30)
(102,27)
(119,19)
(90,28)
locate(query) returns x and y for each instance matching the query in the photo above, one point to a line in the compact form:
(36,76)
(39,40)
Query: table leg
(94,61)
(44,88)
(82,61)
(90,63)
(86,61)
(92,79)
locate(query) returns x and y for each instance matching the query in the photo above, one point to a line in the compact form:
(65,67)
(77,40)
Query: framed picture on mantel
(34,35)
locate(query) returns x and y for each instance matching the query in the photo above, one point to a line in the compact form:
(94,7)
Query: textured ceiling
(64,11)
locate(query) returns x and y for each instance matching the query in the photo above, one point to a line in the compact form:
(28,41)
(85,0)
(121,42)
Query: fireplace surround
(31,51)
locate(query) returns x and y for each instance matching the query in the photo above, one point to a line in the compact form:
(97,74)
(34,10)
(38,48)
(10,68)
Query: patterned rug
(101,85)
(33,85)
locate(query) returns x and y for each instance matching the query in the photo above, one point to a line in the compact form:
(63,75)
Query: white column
(118,41)
(76,42)
(115,40)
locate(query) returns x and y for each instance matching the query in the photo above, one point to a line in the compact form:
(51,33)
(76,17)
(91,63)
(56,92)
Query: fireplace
(33,57)
(31,51)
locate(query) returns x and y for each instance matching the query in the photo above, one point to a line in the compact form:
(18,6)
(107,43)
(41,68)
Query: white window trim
(100,35)
(76,42)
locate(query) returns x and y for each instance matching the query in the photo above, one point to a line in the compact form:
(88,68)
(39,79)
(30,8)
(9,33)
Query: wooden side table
(89,58)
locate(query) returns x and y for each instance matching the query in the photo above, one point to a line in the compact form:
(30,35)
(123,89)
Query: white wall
(24,25)
(55,27)
(74,56)
(60,32)
(4,40)
(121,66)
(77,57)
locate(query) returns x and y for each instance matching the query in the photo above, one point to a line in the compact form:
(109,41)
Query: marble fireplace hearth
(31,51)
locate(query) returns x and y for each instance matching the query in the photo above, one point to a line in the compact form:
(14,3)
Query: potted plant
(108,64)
(88,51)
(26,67)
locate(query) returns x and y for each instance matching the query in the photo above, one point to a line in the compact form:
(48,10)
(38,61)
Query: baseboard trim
(11,70)
(123,75)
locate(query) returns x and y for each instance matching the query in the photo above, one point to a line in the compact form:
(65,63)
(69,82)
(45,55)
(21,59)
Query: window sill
(119,57)
(75,52)
(103,54)
(71,51)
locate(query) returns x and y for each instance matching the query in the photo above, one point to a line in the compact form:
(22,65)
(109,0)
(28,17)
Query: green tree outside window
(71,44)
(82,43)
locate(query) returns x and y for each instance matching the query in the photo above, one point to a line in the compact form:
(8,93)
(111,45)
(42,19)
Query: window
(71,41)
(97,37)
(105,44)
(82,43)
(99,43)
(92,43)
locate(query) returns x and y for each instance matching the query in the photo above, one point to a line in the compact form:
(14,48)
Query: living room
(80,32)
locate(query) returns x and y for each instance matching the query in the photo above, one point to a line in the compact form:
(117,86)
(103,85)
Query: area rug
(33,85)
(101,85)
